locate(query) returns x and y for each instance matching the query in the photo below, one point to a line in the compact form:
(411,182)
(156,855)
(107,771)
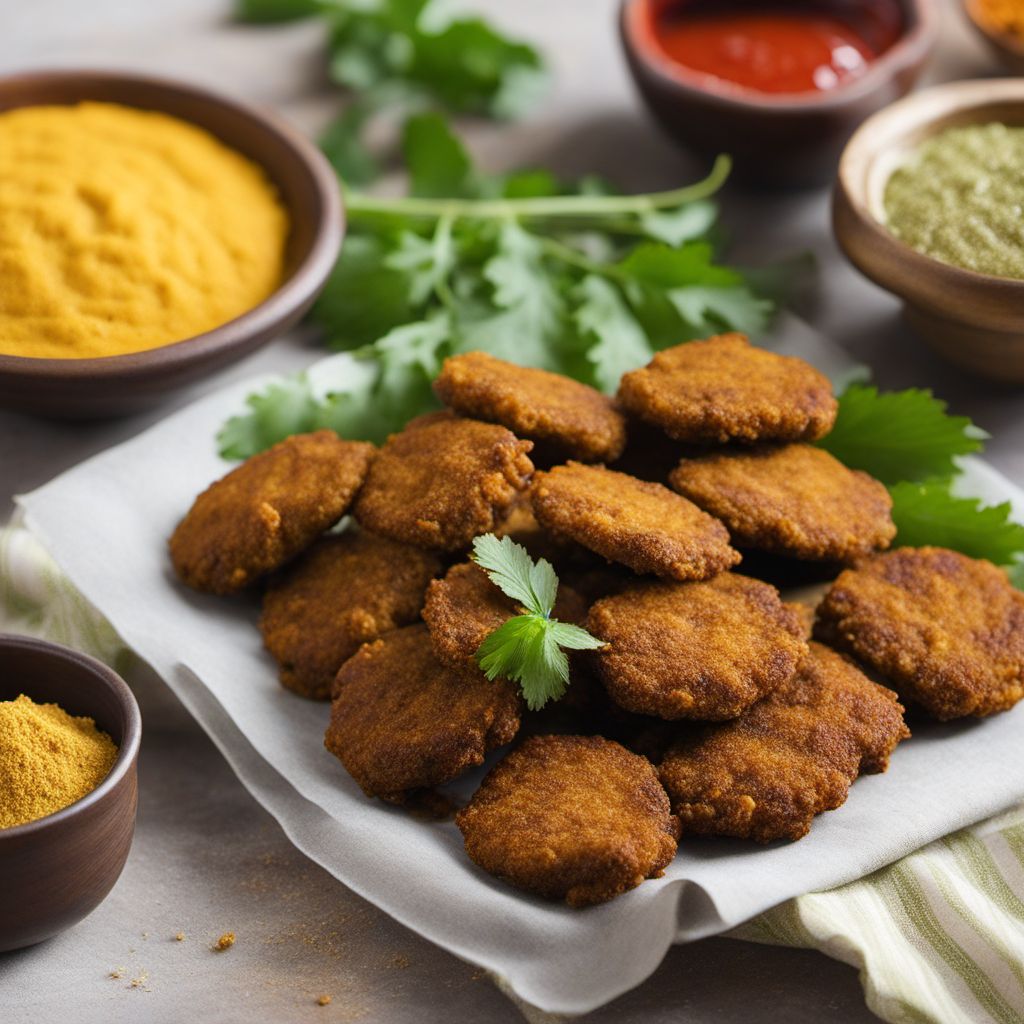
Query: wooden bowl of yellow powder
(150,233)
(69,743)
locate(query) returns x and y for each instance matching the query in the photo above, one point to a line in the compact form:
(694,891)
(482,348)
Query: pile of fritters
(709,710)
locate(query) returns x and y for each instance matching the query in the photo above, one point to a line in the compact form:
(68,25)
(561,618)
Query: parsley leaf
(899,435)
(527,648)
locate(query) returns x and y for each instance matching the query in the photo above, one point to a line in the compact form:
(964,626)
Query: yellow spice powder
(123,230)
(48,759)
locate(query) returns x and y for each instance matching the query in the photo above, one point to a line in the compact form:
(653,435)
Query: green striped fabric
(938,937)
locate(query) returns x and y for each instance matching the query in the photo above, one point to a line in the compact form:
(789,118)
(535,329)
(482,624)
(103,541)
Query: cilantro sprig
(528,648)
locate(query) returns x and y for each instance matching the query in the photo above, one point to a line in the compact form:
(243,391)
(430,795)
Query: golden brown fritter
(465,607)
(767,774)
(578,421)
(725,389)
(796,500)
(946,631)
(640,524)
(574,818)
(402,721)
(346,589)
(705,651)
(444,482)
(521,526)
(267,510)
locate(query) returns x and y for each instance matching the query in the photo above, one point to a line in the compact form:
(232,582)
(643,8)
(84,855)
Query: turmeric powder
(48,759)
(1006,16)
(123,230)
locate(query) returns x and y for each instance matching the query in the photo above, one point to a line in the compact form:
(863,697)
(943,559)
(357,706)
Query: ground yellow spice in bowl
(48,759)
(122,230)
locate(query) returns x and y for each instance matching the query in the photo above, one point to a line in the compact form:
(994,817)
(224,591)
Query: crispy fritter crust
(577,420)
(444,482)
(402,721)
(796,500)
(795,754)
(267,510)
(574,818)
(521,526)
(640,524)
(465,607)
(345,590)
(705,651)
(725,389)
(946,631)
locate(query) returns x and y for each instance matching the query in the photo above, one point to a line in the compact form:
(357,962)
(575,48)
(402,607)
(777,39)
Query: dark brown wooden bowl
(117,385)
(58,869)
(789,140)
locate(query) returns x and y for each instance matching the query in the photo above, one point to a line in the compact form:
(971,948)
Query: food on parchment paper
(705,650)
(725,389)
(346,589)
(795,500)
(573,818)
(639,524)
(443,482)
(402,721)
(574,420)
(267,510)
(767,774)
(944,630)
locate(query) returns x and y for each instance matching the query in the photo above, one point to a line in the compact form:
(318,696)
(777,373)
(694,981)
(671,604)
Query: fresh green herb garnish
(528,648)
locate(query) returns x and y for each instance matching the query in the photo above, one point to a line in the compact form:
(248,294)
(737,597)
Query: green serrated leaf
(512,570)
(575,638)
(437,161)
(899,435)
(343,146)
(683,224)
(620,344)
(425,262)
(524,650)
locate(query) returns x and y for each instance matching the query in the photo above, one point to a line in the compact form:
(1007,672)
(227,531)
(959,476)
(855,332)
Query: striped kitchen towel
(938,937)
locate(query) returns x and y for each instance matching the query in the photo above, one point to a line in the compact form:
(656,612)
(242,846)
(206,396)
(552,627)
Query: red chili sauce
(778,47)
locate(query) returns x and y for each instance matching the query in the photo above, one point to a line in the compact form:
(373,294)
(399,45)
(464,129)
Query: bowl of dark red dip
(779,85)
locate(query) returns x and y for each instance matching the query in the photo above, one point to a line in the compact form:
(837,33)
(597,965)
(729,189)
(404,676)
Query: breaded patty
(725,389)
(640,524)
(946,631)
(705,651)
(267,510)
(574,818)
(346,589)
(444,482)
(402,721)
(796,500)
(767,774)
(465,607)
(578,421)
(521,526)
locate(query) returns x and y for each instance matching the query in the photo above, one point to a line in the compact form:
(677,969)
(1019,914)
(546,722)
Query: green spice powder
(960,199)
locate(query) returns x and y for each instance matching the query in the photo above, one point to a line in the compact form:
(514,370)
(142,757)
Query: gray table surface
(207,858)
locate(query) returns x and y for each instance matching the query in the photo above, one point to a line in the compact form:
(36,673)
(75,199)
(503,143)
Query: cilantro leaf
(686,223)
(574,637)
(929,514)
(342,143)
(438,162)
(899,435)
(620,343)
(510,568)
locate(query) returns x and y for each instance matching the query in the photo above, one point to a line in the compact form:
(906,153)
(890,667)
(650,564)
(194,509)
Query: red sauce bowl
(778,139)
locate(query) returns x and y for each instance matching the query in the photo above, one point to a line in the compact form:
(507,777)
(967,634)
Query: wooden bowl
(116,385)
(776,140)
(1008,49)
(974,320)
(58,869)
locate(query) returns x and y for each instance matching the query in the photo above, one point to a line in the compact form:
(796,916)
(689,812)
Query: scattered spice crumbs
(180,937)
(226,941)
(324,1000)
(117,972)
(140,981)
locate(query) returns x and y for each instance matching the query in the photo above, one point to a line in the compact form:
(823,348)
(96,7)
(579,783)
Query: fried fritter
(267,510)
(401,721)
(640,524)
(946,631)
(725,389)
(767,774)
(796,500)
(574,818)
(521,526)
(346,589)
(704,651)
(465,607)
(578,421)
(444,482)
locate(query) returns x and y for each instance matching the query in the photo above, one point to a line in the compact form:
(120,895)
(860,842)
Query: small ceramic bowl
(116,385)
(974,320)
(790,140)
(1007,49)
(58,869)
